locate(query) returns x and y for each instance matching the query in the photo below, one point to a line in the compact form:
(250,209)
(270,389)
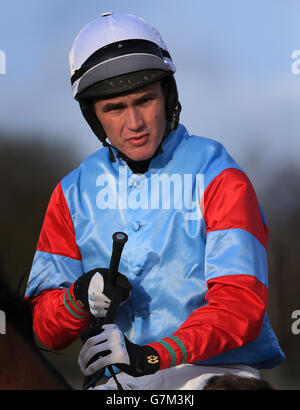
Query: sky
(237,80)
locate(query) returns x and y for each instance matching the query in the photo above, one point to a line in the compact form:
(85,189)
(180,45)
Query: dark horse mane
(17,310)
(18,314)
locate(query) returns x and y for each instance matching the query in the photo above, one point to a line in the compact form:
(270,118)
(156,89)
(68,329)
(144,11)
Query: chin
(134,158)
(141,156)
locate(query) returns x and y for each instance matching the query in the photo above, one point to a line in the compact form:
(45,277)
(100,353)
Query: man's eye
(114,108)
(145,100)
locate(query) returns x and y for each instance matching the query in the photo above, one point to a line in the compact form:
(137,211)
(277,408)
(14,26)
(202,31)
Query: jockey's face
(135,122)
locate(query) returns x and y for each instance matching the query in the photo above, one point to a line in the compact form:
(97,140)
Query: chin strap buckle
(175,117)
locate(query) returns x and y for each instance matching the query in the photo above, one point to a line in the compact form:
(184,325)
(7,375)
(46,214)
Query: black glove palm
(143,360)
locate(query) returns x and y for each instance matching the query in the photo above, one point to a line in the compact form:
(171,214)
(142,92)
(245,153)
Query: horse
(22,364)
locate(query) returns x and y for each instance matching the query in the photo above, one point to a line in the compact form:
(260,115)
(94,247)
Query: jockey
(194,269)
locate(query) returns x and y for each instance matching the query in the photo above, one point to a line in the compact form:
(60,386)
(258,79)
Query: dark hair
(234,382)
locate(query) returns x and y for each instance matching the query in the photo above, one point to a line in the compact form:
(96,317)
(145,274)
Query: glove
(116,349)
(94,290)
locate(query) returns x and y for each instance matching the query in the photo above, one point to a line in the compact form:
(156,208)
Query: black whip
(119,240)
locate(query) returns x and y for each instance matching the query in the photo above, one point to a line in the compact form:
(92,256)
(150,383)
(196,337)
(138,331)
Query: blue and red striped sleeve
(235,271)
(57,318)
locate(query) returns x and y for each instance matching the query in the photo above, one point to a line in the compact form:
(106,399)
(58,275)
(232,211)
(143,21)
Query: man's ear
(171,98)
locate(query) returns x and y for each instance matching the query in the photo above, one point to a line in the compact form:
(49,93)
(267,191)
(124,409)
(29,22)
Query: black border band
(118,49)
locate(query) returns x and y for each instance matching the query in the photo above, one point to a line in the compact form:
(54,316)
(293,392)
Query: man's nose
(135,120)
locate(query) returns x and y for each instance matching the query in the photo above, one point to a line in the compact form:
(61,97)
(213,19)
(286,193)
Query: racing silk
(195,257)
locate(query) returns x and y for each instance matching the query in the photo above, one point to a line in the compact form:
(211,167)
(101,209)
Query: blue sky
(233,62)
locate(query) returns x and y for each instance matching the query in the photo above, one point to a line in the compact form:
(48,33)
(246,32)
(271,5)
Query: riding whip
(119,240)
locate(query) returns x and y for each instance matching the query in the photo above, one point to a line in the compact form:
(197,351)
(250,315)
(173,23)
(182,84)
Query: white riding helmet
(118,53)
(116,44)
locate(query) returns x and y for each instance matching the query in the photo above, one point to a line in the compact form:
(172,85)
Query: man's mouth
(140,140)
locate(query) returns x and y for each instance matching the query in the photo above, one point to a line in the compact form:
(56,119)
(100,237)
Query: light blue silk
(168,257)
(51,271)
(238,252)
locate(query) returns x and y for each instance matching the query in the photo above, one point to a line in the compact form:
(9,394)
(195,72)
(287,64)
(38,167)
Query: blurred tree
(30,168)
(281,202)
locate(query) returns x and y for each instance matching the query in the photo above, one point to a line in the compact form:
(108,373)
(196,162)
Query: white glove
(98,301)
(110,341)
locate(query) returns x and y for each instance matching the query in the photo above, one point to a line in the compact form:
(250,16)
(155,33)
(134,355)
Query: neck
(139,167)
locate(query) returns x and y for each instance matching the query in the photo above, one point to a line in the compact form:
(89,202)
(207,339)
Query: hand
(94,290)
(116,349)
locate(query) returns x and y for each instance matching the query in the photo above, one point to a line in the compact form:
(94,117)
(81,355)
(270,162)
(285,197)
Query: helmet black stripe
(118,49)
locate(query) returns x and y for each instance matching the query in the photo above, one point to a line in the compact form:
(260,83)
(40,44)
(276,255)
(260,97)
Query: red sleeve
(230,202)
(232,318)
(236,303)
(57,319)
(57,235)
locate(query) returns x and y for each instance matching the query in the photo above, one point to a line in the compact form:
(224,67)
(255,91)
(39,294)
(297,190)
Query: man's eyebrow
(112,106)
(120,104)
(146,95)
